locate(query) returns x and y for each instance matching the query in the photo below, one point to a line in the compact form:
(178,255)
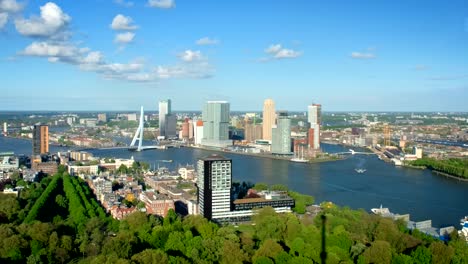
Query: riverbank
(266,156)
(449,176)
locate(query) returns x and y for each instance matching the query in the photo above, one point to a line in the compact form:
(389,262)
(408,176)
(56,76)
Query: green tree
(149,256)
(421,255)
(441,253)
(378,252)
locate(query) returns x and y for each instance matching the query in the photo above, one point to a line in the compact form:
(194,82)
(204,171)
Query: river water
(420,193)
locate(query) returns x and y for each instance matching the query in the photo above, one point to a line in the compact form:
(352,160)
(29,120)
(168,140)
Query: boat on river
(360,170)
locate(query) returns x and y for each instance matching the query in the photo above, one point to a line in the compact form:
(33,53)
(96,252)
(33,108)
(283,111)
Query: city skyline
(117,56)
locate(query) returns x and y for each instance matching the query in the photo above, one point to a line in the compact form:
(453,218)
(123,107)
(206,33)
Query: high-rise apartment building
(269,117)
(198,132)
(215,117)
(252,131)
(315,119)
(281,143)
(214,186)
(40,142)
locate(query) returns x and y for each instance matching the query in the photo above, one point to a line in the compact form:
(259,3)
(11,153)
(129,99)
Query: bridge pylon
(139,133)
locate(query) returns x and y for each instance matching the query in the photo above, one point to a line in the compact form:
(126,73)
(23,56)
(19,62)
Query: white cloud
(3,19)
(44,49)
(121,22)
(287,53)
(207,41)
(190,55)
(165,4)
(273,49)
(276,51)
(93,57)
(124,38)
(52,21)
(185,71)
(124,3)
(10,6)
(363,55)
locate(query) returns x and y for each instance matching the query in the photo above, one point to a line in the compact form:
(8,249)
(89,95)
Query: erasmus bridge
(139,137)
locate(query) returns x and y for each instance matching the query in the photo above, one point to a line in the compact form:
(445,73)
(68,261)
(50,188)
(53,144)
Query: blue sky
(347,55)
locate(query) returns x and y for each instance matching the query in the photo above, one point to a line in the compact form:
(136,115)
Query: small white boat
(360,170)
(299,160)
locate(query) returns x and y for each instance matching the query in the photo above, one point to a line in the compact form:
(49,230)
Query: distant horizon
(241,111)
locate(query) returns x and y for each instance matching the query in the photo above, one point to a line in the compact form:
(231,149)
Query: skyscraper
(40,142)
(315,119)
(164,109)
(215,118)
(281,143)
(214,186)
(268,118)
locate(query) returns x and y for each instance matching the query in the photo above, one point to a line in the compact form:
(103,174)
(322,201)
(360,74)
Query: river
(420,193)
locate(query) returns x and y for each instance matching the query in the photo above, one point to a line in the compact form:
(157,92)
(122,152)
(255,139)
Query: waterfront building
(171,126)
(269,117)
(214,186)
(40,141)
(281,143)
(215,117)
(253,132)
(190,135)
(198,132)
(5,128)
(314,118)
(164,109)
(185,129)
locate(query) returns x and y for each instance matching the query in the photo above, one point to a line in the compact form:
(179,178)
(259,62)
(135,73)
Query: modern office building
(171,126)
(281,143)
(214,186)
(164,109)
(315,119)
(269,117)
(215,118)
(40,141)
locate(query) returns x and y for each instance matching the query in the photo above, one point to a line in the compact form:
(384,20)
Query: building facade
(164,109)
(281,143)
(215,118)
(198,132)
(40,142)
(253,132)
(269,117)
(214,186)
(315,119)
